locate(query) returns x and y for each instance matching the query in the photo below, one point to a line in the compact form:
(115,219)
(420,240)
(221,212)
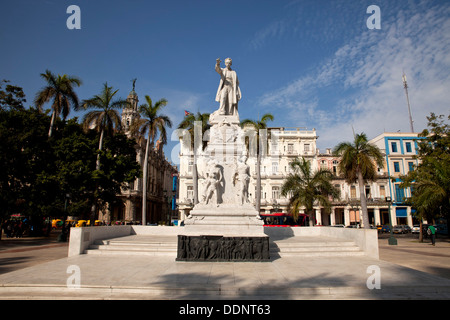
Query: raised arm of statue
(218,68)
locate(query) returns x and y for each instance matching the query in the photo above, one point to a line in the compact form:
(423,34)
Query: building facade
(400,149)
(162,183)
(286,144)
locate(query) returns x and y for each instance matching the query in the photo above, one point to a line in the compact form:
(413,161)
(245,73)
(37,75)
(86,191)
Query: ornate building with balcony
(161,189)
(400,149)
(286,144)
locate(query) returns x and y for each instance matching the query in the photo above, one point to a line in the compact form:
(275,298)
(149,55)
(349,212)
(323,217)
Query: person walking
(432,233)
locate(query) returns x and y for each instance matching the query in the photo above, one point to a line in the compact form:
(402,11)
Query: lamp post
(392,241)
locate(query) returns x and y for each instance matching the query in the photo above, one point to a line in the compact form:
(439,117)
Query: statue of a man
(228,93)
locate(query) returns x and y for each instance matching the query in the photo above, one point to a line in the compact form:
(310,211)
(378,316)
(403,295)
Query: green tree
(104,118)
(307,188)
(430,180)
(152,123)
(12,97)
(261,137)
(359,161)
(60,89)
(23,154)
(191,123)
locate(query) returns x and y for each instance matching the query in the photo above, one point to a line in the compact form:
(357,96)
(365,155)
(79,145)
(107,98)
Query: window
(382,192)
(411,166)
(274,167)
(396,167)
(190,192)
(352,192)
(191,163)
(306,147)
(290,148)
(367,191)
(408,147)
(394,146)
(275,192)
(399,193)
(335,165)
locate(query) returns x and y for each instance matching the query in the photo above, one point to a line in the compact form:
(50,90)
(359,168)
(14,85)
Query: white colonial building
(283,146)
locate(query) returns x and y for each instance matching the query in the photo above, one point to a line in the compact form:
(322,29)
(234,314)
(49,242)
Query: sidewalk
(291,278)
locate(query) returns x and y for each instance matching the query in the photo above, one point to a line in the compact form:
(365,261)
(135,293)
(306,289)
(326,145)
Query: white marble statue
(242,176)
(213,183)
(228,93)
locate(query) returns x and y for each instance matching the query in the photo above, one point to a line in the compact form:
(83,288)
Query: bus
(282,219)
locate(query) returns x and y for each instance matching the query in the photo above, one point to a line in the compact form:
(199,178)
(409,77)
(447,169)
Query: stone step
(152,246)
(135,245)
(314,248)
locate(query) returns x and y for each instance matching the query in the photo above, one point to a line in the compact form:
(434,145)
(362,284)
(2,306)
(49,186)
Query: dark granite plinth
(220,248)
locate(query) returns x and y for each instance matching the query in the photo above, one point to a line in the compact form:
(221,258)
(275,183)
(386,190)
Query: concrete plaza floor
(400,273)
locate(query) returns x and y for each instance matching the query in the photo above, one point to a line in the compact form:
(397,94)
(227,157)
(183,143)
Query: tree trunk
(100,147)
(312,218)
(195,178)
(420,231)
(362,196)
(198,135)
(144,184)
(97,167)
(52,122)
(258,183)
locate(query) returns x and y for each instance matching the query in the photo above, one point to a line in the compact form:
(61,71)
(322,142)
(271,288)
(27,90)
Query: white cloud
(363,79)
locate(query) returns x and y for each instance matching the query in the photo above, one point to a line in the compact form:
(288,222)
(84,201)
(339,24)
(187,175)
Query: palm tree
(307,188)
(258,125)
(359,162)
(104,118)
(152,122)
(60,89)
(189,123)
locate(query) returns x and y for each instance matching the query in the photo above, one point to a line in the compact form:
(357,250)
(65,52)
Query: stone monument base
(223,248)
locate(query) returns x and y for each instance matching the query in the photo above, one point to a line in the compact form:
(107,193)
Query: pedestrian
(432,233)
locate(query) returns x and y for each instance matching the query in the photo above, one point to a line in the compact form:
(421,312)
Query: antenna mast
(405,85)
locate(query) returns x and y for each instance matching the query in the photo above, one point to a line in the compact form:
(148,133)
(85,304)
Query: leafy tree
(60,89)
(12,97)
(430,181)
(306,188)
(24,154)
(358,163)
(260,126)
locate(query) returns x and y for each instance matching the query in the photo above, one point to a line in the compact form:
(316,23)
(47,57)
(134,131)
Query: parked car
(415,228)
(385,228)
(442,229)
(407,228)
(400,229)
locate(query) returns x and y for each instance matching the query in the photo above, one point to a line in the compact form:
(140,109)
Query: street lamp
(392,241)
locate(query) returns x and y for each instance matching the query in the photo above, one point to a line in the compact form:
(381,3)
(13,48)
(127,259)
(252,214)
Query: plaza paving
(294,278)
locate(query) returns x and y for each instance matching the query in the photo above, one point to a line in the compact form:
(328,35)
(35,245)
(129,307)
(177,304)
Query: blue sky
(312,64)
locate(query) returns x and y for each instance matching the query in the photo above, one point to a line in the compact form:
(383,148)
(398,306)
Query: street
(409,252)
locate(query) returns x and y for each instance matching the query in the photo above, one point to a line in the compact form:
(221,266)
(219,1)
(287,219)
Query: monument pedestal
(224,226)
(222,248)
(224,233)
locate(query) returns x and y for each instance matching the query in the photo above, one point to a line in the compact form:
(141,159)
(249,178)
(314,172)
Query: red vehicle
(282,219)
